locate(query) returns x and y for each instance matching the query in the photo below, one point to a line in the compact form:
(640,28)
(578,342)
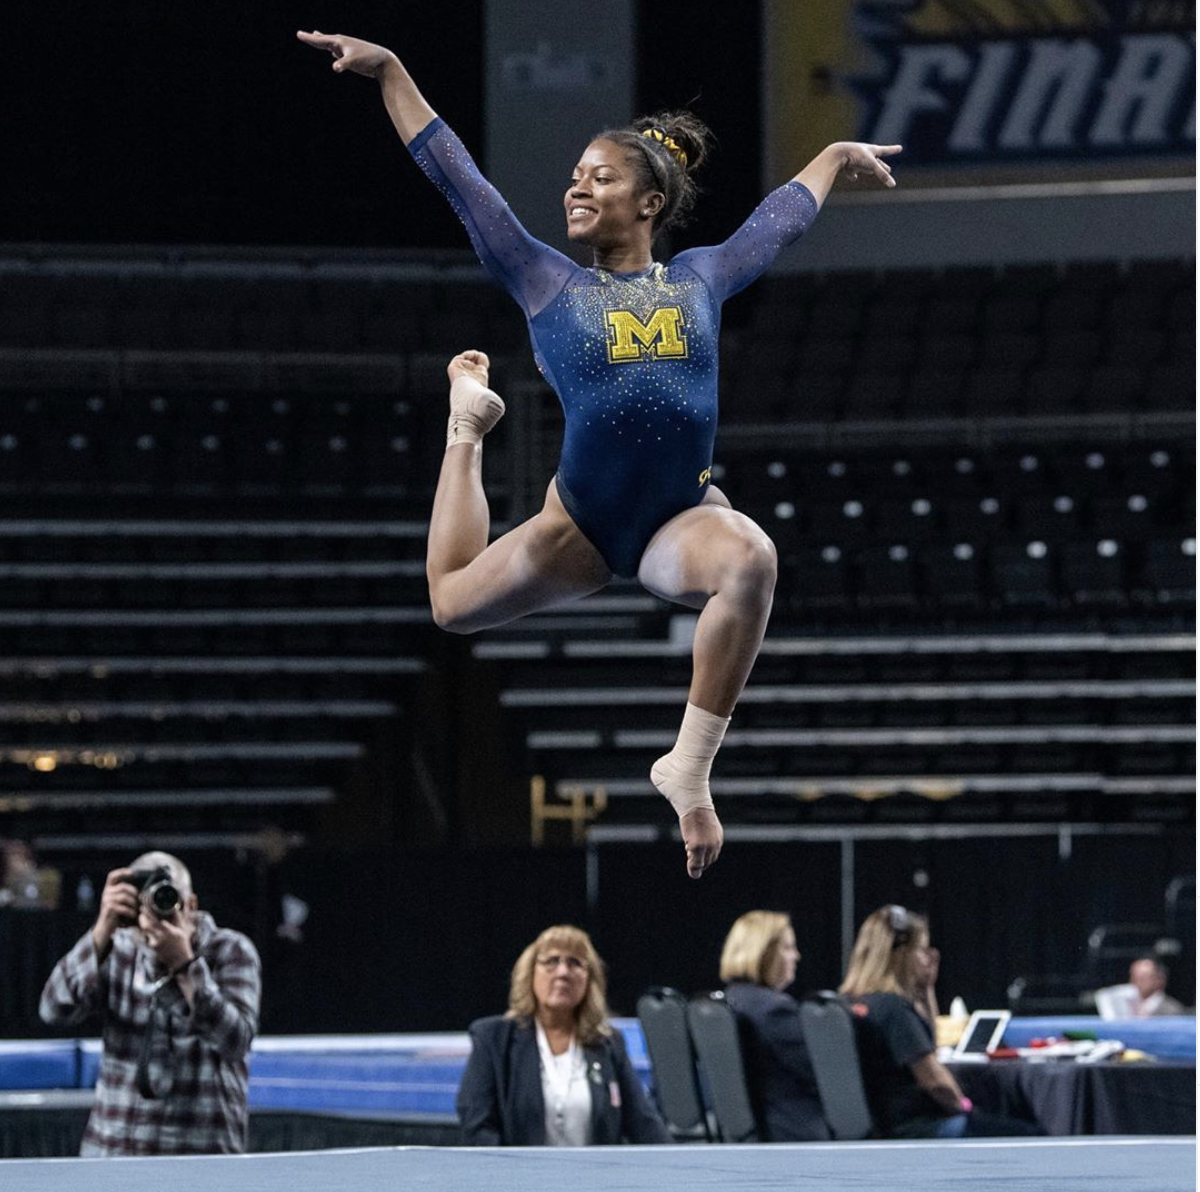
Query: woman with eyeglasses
(887,983)
(552,1071)
(758,965)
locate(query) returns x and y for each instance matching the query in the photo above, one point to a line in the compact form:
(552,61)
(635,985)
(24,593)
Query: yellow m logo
(631,339)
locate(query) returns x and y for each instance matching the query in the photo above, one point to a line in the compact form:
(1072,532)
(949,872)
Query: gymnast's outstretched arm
(404,102)
(846,157)
(783,217)
(532,272)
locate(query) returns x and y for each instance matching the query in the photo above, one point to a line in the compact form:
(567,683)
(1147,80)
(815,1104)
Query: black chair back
(829,1037)
(663,1015)
(719,1049)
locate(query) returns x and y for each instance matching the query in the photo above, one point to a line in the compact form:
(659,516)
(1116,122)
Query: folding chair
(715,1036)
(663,1015)
(829,1037)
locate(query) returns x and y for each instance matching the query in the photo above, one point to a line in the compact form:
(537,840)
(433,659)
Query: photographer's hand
(118,908)
(171,941)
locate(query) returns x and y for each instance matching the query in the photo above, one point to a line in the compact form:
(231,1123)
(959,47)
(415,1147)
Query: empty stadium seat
(881,445)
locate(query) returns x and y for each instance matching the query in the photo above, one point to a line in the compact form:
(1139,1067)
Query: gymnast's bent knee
(752,563)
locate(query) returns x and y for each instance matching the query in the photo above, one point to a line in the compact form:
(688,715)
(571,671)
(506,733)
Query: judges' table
(1065,1097)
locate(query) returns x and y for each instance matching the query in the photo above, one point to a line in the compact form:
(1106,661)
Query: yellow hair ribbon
(668,143)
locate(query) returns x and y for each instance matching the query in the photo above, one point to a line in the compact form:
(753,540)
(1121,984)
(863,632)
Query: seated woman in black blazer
(758,963)
(552,1071)
(911,1094)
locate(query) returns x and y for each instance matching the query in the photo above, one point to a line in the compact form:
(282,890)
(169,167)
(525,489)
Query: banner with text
(1003,86)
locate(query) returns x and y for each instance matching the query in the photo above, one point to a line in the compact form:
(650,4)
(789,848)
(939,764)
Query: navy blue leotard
(632,356)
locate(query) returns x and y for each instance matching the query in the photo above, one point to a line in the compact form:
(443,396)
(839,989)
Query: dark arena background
(963,410)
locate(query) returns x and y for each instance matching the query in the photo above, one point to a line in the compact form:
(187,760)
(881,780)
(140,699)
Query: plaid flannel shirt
(198,1062)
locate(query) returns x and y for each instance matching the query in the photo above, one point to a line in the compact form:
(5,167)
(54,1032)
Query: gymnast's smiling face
(603,204)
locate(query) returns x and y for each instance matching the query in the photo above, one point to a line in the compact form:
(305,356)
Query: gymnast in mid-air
(630,347)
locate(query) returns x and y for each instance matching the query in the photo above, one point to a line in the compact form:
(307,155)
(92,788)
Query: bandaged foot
(474,410)
(681,776)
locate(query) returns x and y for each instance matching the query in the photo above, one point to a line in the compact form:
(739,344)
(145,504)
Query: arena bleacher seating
(216,482)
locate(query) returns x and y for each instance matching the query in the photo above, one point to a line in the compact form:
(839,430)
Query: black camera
(158,890)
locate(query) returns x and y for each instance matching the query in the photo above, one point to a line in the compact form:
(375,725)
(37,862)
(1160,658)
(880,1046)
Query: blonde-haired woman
(911,1094)
(551,1071)
(758,962)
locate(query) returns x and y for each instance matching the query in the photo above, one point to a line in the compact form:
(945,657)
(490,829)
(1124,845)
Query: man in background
(1148,977)
(177,998)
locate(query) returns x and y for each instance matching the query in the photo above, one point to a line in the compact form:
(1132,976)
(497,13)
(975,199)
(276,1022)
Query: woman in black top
(758,963)
(912,1094)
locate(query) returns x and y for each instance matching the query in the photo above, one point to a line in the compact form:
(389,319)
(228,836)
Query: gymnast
(630,347)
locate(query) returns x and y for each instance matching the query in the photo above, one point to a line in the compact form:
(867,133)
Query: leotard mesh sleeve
(532,272)
(782,217)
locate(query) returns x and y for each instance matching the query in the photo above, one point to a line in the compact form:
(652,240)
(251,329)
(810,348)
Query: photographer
(177,998)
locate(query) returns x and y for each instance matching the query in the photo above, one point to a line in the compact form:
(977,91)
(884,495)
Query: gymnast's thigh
(540,563)
(688,557)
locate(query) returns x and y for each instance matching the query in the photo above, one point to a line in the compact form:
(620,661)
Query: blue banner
(995,81)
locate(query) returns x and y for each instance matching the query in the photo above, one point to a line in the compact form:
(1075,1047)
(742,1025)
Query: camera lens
(163,899)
